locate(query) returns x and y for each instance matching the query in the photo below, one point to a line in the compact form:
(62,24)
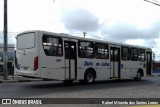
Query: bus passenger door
(115,62)
(149,60)
(70,60)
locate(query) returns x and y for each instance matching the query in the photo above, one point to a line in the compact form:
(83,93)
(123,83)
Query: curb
(19,80)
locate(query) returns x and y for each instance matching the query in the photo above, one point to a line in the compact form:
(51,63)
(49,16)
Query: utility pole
(5,56)
(84,34)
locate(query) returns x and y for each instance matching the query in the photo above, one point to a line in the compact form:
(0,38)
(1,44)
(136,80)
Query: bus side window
(134,54)
(86,49)
(101,51)
(125,53)
(52,45)
(141,55)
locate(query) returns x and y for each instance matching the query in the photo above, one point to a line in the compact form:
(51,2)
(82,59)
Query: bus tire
(89,77)
(138,76)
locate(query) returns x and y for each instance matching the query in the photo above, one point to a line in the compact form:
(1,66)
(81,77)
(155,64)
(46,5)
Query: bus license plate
(25,68)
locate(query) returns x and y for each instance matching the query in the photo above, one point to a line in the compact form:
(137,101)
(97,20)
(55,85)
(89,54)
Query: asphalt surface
(149,87)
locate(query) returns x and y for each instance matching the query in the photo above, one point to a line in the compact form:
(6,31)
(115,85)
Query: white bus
(57,56)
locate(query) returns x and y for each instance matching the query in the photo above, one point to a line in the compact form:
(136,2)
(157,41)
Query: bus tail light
(35,63)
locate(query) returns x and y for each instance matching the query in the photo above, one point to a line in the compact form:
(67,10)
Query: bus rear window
(26,41)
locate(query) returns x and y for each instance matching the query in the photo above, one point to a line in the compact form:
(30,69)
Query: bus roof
(87,39)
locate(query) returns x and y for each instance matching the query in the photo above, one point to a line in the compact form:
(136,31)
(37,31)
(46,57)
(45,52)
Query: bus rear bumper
(27,73)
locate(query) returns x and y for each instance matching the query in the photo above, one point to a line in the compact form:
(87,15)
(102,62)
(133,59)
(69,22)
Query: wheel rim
(138,76)
(90,77)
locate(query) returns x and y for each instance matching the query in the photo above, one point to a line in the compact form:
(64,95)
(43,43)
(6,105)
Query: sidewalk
(17,79)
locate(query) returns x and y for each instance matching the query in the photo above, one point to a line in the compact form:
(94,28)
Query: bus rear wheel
(89,77)
(138,76)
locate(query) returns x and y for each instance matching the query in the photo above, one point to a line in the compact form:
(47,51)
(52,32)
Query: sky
(135,22)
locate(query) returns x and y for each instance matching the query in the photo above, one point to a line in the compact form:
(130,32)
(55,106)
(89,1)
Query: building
(156,68)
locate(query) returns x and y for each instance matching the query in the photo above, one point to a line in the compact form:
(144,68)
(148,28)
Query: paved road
(149,87)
